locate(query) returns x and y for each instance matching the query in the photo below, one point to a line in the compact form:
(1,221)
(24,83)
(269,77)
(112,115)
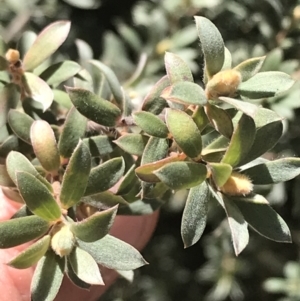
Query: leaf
(47,42)
(62,98)
(5,179)
(113,253)
(238,226)
(220,172)
(189,140)
(60,72)
(74,129)
(182,175)
(99,145)
(156,149)
(145,172)
(104,200)
(17,231)
(212,45)
(10,144)
(112,80)
(32,254)
(93,107)
(151,124)
(242,106)
(128,181)
(20,123)
(153,103)
(105,176)
(133,144)
(95,226)
(37,197)
(76,176)
(195,214)
(266,84)
(250,67)
(185,93)
(47,277)
(85,267)
(263,219)
(265,139)
(219,119)
(44,145)
(38,90)
(276,171)
(74,278)
(3,63)
(128,275)
(15,162)
(241,141)
(200,118)
(177,69)
(9,98)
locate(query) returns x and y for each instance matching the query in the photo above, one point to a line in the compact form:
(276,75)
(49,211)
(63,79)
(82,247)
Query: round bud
(12,55)
(224,83)
(63,240)
(237,184)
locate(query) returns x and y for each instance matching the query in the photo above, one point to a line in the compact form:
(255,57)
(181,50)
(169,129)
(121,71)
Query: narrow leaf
(47,277)
(38,90)
(212,45)
(74,129)
(156,149)
(153,102)
(263,219)
(9,98)
(265,139)
(219,119)
(145,172)
(105,176)
(44,145)
(76,176)
(20,123)
(238,226)
(74,278)
(60,72)
(96,226)
(17,231)
(113,253)
(47,42)
(177,69)
(189,140)
(133,144)
(182,175)
(151,124)
(185,93)
(85,267)
(99,145)
(112,80)
(37,197)
(266,84)
(241,141)
(276,171)
(94,107)
(250,67)
(32,254)
(195,214)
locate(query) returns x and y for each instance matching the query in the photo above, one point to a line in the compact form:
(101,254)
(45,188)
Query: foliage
(89,150)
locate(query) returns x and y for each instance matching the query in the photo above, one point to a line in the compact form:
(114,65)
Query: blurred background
(122,34)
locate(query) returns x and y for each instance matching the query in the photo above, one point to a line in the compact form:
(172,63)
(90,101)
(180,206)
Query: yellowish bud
(237,184)
(296,13)
(12,55)
(63,240)
(224,83)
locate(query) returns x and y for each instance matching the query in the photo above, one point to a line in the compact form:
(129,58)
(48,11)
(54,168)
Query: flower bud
(237,184)
(224,83)
(12,55)
(63,240)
